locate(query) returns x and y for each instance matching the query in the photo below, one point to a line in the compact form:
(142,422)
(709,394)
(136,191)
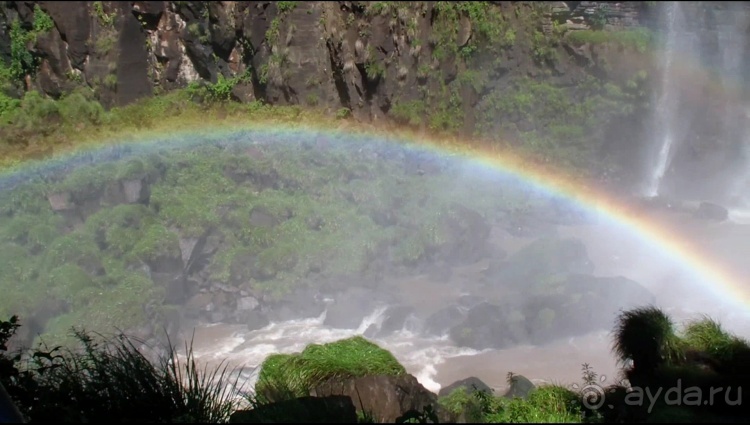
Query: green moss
(86,181)
(297,374)
(119,229)
(109,308)
(566,124)
(73,248)
(191,193)
(67,282)
(411,112)
(156,241)
(639,39)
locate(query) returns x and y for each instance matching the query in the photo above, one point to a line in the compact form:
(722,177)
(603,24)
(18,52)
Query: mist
(251,243)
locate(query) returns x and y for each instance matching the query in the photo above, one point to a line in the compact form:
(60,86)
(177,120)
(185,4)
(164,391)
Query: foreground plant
(113,381)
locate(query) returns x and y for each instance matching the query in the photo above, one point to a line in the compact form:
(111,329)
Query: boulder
(385,397)
(540,260)
(440,322)
(351,306)
(471,384)
(520,386)
(491,326)
(301,304)
(330,409)
(395,320)
(60,201)
(711,211)
(466,233)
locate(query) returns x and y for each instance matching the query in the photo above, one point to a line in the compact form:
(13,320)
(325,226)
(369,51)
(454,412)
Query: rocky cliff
(569,80)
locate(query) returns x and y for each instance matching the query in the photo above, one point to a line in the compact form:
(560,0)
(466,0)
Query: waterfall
(666,114)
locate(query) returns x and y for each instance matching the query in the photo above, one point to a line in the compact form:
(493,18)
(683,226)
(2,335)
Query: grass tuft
(284,375)
(113,380)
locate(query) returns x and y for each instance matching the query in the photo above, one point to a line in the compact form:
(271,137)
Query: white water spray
(668,99)
(247,349)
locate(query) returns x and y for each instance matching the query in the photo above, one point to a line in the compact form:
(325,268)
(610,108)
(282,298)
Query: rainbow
(712,277)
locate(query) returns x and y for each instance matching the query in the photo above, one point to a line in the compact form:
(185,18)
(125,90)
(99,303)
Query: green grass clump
(646,336)
(545,404)
(295,375)
(460,403)
(707,335)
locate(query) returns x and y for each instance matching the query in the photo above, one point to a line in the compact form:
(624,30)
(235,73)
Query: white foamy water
(247,349)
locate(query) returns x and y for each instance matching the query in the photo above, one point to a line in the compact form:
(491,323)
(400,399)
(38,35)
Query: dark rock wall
(380,64)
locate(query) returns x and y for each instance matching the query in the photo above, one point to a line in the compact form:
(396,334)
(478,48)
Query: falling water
(668,100)
(732,40)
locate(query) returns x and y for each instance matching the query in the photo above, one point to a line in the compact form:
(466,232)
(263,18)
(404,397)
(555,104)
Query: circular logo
(592,396)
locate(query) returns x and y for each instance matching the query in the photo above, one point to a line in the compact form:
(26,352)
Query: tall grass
(646,336)
(546,404)
(113,381)
(708,336)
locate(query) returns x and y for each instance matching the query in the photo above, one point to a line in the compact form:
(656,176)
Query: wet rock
(395,319)
(247,304)
(543,258)
(385,397)
(350,307)
(520,386)
(174,285)
(591,303)
(133,61)
(466,234)
(444,319)
(126,192)
(330,409)
(261,217)
(491,326)
(60,201)
(73,22)
(301,304)
(198,304)
(135,191)
(471,384)
(254,319)
(711,211)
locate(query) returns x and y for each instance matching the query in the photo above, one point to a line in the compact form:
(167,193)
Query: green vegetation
(701,358)
(295,375)
(22,60)
(333,212)
(487,26)
(114,380)
(105,19)
(563,130)
(639,39)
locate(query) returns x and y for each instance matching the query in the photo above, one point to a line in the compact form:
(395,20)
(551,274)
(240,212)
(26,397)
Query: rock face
(385,397)
(372,62)
(520,386)
(574,305)
(471,384)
